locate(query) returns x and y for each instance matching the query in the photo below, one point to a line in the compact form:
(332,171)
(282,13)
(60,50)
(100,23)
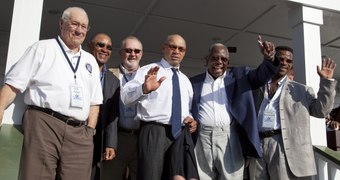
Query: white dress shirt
(271,105)
(156,106)
(213,104)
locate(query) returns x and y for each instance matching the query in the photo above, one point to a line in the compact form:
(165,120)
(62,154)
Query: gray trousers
(154,141)
(219,154)
(273,164)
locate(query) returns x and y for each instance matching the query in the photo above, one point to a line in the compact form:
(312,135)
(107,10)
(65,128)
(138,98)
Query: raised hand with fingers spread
(327,68)
(151,83)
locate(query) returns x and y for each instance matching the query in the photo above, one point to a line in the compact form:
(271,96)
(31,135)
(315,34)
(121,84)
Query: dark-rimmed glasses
(128,50)
(102,45)
(174,47)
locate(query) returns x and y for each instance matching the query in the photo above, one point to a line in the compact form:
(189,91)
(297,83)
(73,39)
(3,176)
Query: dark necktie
(176,114)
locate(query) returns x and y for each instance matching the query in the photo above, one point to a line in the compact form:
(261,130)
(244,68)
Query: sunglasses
(102,45)
(281,59)
(128,50)
(217,58)
(174,47)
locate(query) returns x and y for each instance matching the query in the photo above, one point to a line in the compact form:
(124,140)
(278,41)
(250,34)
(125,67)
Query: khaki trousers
(54,150)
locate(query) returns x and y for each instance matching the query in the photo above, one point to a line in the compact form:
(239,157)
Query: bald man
(152,91)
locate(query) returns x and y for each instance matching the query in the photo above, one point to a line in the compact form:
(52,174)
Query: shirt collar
(104,68)
(68,50)
(210,78)
(166,65)
(124,71)
(283,80)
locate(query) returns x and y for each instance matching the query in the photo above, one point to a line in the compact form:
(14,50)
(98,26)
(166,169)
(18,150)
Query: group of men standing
(146,115)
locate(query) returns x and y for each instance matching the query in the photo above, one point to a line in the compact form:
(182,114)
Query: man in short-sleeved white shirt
(63,93)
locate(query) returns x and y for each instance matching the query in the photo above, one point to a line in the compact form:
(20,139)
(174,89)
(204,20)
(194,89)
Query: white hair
(67,12)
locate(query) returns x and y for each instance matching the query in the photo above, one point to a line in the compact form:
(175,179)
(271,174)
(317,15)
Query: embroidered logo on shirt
(88,67)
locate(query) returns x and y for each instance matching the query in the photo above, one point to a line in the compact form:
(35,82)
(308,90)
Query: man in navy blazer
(236,103)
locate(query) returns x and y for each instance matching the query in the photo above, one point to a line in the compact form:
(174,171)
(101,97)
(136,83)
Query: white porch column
(305,23)
(25,30)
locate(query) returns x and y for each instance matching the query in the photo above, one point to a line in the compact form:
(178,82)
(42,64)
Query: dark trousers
(154,140)
(126,157)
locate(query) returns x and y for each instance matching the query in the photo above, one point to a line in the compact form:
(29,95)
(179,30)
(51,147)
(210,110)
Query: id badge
(269,118)
(130,111)
(77,97)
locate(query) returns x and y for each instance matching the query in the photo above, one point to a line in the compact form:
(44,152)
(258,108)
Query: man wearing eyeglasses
(223,105)
(100,46)
(63,94)
(152,90)
(126,159)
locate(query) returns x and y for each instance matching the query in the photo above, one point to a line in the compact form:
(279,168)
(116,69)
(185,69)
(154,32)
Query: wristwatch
(94,130)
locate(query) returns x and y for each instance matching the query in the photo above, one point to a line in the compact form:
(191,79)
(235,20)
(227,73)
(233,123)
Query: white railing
(327,163)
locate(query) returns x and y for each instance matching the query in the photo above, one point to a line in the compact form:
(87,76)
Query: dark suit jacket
(108,115)
(239,83)
(180,158)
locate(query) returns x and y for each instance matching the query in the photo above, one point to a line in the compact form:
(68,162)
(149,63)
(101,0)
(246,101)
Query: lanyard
(124,75)
(68,60)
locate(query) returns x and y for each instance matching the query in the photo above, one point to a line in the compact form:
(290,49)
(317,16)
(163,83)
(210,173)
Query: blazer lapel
(107,88)
(229,83)
(197,88)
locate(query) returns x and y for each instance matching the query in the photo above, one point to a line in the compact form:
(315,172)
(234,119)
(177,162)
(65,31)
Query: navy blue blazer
(239,83)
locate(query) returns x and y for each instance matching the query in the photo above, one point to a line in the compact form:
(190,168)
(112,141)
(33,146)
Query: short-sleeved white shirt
(45,75)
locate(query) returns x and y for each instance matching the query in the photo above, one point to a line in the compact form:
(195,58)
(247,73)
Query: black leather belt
(270,133)
(129,131)
(145,123)
(67,119)
(148,123)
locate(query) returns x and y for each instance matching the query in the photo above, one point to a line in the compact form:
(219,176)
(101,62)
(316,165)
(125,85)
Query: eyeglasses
(174,47)
(282,60)
(75,25)
(102,45)
(216,58)
(128,50)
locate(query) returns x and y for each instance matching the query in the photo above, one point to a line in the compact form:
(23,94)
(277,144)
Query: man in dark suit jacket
(236,103)
(284,108)
(100,47)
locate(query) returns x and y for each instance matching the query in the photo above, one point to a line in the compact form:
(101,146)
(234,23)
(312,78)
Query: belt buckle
(266,134)
(71,121)
(270,133)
